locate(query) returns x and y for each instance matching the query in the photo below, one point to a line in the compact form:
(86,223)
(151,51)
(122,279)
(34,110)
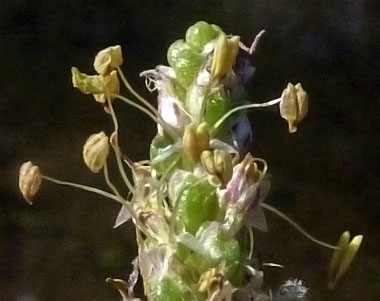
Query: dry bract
(29,180)
(95,151)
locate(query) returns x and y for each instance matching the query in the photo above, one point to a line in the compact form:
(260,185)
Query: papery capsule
(95,151)
(111,85)
(29,180)
(108,59)
(87,84)
(293,105)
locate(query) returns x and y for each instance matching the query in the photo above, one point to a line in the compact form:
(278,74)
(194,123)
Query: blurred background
(326,176)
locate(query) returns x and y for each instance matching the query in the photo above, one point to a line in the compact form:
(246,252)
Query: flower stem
(156,118)
(84,187)
(115,145)
(244,107)
(297,227)
(138,96)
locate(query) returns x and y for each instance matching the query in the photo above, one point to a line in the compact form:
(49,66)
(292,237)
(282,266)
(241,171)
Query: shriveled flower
(108,59)
(87,84)
(245,191)
(292,289)
(294,105)
(95,151)
(29,180)
(111,85)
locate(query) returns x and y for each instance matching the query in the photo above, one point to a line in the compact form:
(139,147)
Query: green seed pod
(198,203)
(95,151)
(199,34)
(185,62)
(108,59)
(170,289)
(217,105)
(29,180)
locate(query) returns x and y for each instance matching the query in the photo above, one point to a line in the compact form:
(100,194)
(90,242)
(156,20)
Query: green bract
(198,35)
(185,62)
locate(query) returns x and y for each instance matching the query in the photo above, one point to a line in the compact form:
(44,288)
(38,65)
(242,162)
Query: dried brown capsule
(294,105)
(108,59)
(29,180)
(95,151)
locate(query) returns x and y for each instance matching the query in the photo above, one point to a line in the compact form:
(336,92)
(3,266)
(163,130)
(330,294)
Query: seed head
(108,59)
(95,151)
(29,180)
(293,105)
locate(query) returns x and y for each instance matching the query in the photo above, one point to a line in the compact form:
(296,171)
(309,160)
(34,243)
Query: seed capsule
(29,180)
(293,105)
(108,59)
(95,151)
(111,84)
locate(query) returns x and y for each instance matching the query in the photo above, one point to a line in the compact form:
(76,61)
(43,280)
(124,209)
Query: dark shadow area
(326,176)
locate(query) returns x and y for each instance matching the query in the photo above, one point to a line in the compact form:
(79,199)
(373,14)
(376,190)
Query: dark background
(326,176)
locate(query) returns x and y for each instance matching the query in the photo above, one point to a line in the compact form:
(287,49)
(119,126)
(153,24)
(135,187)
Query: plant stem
(115,145)
(297,227)
(244,107)
(84,187)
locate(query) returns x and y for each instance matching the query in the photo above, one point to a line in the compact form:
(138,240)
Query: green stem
(115,145)
(84,187)
(297,227)
(244,107)
(138,96)
(156,118)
